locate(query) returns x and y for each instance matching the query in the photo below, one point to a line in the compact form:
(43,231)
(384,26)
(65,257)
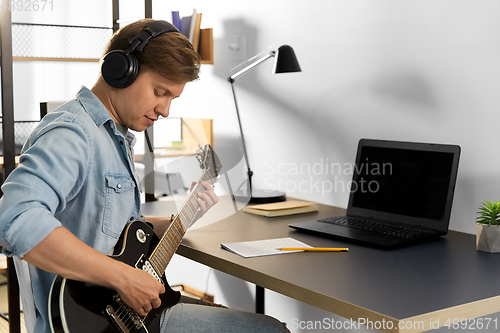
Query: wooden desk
(417,285)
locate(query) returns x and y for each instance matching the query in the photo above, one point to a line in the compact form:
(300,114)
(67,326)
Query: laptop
(401,193)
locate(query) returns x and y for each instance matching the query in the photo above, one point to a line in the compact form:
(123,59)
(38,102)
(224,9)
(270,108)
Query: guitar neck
(171,239)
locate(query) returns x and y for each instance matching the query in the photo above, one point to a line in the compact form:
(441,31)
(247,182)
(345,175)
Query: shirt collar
(93,106)
(98,112)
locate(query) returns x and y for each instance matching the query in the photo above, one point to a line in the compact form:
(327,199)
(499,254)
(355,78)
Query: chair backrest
(24,280)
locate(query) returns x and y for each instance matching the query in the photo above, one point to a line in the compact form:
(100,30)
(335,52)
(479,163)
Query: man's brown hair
(170,54)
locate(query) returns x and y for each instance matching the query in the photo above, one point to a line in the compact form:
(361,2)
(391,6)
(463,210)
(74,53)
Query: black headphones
(120,67)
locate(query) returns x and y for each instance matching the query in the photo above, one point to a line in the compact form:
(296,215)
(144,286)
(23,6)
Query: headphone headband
(152,30)
(120,67)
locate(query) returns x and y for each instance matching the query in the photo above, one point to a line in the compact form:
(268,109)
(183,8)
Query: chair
(24,280)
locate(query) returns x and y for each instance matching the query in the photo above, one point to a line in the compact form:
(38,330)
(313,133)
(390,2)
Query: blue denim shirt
(74,172)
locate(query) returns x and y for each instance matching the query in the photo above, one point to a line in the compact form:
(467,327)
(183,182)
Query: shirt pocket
(120,199)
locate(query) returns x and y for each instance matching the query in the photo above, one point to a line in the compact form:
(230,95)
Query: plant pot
(488,238)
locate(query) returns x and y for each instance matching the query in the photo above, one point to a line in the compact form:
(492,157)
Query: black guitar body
(78,307)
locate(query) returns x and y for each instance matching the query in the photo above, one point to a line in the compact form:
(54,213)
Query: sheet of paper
(265,247)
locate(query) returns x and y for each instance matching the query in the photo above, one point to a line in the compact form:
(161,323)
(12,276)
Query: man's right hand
(140,290)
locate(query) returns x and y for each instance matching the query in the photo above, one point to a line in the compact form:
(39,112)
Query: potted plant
(488,227)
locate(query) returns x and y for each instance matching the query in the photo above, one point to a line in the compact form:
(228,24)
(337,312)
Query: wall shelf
(206,48)
(52,42)
(55,59)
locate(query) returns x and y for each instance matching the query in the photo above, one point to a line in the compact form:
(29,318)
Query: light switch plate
(238,46)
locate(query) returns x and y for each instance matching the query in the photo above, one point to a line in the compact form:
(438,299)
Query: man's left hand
(206,199)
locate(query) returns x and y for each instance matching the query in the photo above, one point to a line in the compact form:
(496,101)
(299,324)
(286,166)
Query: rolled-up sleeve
(52,169)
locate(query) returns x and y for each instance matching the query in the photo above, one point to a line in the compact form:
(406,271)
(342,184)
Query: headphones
(120,67)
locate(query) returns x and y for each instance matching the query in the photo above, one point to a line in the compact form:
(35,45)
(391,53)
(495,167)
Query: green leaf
(489,213)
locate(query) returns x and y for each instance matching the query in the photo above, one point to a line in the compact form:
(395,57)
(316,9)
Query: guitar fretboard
(171,239)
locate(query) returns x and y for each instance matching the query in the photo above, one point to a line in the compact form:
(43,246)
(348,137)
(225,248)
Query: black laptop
(401,193)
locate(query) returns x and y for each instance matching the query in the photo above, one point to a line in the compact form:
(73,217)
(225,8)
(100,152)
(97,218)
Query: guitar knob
(141,236)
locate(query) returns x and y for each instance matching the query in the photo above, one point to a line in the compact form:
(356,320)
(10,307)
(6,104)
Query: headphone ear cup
(119,69)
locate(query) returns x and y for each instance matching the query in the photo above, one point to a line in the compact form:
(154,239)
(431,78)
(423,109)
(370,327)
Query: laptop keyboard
(393,230)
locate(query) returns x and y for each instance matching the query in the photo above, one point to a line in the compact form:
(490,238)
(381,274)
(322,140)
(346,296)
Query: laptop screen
(403,182)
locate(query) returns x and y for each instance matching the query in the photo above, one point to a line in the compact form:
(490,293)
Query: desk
(441,279)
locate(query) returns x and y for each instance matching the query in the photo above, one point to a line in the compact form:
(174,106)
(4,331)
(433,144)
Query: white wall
(419,70)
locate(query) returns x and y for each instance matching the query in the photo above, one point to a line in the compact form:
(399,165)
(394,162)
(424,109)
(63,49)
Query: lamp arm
(245,69)
(249,172)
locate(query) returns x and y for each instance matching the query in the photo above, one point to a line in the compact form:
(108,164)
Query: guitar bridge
(124,315)
(116,319)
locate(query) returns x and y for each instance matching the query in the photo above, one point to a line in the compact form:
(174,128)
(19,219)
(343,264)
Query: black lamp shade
(286,61)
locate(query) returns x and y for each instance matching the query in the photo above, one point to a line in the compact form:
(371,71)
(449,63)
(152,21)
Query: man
(75,188)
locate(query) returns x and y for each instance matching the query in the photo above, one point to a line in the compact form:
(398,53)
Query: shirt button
(121,142)
(119,185)
(132,218)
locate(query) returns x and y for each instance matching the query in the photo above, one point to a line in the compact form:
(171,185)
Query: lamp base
(260,196)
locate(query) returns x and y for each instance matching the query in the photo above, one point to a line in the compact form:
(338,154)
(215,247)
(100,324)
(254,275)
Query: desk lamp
(285,62)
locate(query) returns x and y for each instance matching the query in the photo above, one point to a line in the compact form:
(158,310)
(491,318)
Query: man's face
(140,104)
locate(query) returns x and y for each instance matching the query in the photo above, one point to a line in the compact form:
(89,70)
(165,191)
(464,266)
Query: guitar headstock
(209,162)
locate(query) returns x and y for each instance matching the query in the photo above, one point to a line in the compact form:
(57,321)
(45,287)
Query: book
(185,25)
(196,32)
(265,247)
(282,208)
(192,28)
(176,20)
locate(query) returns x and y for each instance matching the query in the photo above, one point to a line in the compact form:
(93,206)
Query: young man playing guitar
(75,189)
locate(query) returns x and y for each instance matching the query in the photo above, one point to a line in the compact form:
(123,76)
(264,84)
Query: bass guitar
(78,307)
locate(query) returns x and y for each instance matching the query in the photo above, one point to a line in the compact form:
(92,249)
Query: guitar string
(119,312)
(163,250)
(126,313)
(122,311)
(129,322)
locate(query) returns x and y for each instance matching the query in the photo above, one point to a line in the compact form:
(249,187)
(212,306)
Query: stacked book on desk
(282,208)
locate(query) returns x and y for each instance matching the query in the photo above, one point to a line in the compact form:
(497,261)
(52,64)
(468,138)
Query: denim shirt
(74,172)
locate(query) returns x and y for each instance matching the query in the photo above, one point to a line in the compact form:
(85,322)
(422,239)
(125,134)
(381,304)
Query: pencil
(325,249)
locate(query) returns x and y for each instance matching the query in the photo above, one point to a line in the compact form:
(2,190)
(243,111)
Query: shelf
(51,42)
(206,48)
(55,59)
